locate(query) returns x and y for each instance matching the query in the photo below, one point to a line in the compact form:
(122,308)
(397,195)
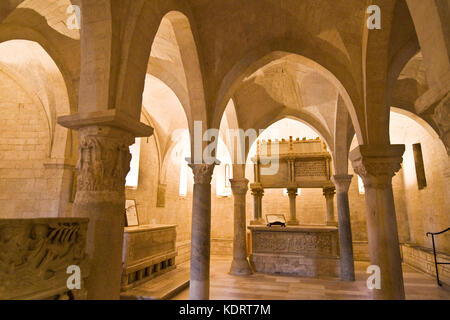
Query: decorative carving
(329,192)
(377,167)
(311,168)
(292,192)
(104,161)
(316,243)
(257,192)
(342,182)
(239,186)
(202,172)
(35,254)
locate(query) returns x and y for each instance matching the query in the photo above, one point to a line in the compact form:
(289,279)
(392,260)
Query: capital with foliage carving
(377,164)
(202,171)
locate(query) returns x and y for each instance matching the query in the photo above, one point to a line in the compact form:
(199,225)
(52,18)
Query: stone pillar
(376,165)
(240,265)
(257,193)
(347,266)
(103,163)
(201,231)
(329,198)
(292,193)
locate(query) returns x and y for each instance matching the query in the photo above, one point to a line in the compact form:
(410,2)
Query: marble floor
(418,286)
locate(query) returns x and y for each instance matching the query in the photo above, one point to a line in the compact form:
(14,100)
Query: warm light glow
(361,186)
(133,175)
(184,168)
(223,171)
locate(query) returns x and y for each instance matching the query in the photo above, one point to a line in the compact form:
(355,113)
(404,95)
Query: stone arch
(44,83)
(428,128)
(69,70)
(149,16)
(316,127)
(430,19)
(336,73)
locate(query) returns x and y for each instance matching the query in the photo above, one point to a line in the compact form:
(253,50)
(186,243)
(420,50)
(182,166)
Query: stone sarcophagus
(148,251)
(309,251)
(37,254)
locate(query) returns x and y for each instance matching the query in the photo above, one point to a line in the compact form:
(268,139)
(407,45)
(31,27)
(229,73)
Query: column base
(240,268)
(293,223)
(259,221)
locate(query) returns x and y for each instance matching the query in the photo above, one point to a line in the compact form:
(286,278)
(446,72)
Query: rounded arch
(298,119)
(301,53)
(69,71)
(428,128)
(430,19)
(34,70)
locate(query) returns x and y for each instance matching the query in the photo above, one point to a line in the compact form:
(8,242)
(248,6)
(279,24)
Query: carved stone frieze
(315,243)
(35,255)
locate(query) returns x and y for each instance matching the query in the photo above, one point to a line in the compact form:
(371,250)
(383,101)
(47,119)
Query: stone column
(201,231)
(103,163)
(240,265)
(329,198)
(292,193)
(347,267)
(257,193)
(377,164)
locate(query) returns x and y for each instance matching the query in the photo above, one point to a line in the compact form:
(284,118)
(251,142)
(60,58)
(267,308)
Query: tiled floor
(270,287)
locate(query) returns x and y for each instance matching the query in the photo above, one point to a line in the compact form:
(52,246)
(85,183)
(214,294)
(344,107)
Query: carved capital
(103,163)
(202,172)
(239,186)
(329,192)
(342,182)
(377,164)
(292,192)
(257,192)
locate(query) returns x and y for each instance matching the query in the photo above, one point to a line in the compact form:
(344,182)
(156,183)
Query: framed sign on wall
(131,217)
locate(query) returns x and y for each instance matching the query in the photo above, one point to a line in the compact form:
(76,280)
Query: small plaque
(131,213)
(275,220)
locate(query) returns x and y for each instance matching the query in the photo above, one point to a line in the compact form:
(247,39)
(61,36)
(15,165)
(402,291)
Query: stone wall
(427,210)
(423,259)
(30,185)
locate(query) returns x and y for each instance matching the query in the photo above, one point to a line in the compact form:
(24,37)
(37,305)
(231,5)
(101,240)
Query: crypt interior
(106,112)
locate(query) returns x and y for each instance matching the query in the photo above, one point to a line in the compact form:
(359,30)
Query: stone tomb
(148,251)
(308,251)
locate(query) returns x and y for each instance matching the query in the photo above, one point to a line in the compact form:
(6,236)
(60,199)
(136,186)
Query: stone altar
(309,251)
(148,251)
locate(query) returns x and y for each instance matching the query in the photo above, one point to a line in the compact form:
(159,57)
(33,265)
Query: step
(163,287)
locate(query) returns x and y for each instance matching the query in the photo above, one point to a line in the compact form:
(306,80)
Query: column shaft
(240,265)
(257,193)
(104,161)
(329,198)
(201,232)
(377,165)
(292,193)
(347,267)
